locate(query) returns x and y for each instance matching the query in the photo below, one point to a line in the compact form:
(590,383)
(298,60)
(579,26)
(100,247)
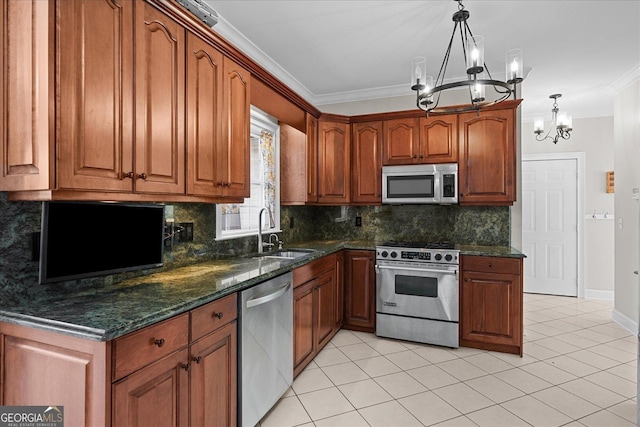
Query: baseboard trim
(627,323)
(596,294)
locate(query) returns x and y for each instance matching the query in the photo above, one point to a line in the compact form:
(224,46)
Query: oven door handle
(428,270)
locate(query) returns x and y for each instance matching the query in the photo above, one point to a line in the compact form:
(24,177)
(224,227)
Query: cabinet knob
(218,315)
(490,265)
(127,175)
(186,366)
(415,156)
(421,156)
(142,176)
(466,279)
(197,359)
(159,342)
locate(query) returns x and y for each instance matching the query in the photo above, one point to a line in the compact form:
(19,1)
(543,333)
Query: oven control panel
(423,255)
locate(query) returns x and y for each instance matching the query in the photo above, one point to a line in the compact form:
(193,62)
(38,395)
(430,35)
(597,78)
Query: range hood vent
(201,10)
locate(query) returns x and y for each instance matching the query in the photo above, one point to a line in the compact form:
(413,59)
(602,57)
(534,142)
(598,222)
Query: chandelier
(562,122)
(478,75)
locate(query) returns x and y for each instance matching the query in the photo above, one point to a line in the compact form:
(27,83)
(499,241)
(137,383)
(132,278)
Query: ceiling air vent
(201,10)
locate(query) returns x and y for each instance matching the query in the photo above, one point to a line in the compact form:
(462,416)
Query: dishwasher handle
(269,297)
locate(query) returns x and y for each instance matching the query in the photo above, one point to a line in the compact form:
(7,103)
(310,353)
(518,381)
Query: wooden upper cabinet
(312,159)
(236,130)
(334,163)
(26,77)
(293,168)
(438,139)
(366,178)
(487,157)
(204,118)
(95,135)
(159,93)
(401,141)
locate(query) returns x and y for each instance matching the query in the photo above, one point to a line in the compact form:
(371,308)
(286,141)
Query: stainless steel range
(417,292)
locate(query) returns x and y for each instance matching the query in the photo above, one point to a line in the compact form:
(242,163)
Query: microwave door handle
(428,270)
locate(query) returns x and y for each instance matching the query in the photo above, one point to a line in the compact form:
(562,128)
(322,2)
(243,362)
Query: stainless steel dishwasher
(266,347)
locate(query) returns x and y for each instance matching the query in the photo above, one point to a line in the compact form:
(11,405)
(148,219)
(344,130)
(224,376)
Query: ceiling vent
(201,10)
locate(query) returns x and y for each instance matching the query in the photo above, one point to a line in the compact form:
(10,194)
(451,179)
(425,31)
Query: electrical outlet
(291,222)
(186,232)
(358,221)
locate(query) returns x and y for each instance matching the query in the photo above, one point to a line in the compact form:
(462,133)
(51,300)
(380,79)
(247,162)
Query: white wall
(594,137)
(627,161)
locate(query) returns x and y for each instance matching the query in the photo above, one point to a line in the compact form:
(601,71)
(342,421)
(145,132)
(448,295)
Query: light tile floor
(578,369)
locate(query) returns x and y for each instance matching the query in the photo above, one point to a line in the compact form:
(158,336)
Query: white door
(549,226)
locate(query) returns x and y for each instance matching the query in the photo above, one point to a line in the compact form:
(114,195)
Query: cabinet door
(304,346)
(157,395)
(487,166)
(214,378)
(401,141)
(334,163)
(325,300)
(491,311)
(95,135)
(159,94)
(40,368)
(293,168)
(360,287)
(439,139)
(25,32)
(312,159)
(236,130)
(204,118)
(366,179)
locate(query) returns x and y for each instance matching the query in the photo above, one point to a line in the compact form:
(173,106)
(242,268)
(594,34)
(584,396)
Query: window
(236,220)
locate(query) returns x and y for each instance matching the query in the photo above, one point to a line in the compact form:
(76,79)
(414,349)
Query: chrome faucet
(260,242)
(278,241)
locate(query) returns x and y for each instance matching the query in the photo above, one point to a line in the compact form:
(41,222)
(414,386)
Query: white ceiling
(341,51)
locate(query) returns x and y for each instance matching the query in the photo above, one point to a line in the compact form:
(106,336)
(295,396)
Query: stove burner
(420,245)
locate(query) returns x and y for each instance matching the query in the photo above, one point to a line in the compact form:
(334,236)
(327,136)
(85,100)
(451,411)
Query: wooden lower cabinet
(170,381)
(46,368)
(213,378)
(360,290)
(491,304)
(156,395)
(314,318)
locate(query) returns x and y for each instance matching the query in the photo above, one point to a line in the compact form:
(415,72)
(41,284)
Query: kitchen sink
(287,254)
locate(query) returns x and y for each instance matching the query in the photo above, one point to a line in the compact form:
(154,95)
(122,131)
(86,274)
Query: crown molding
(242,43)
(624,82)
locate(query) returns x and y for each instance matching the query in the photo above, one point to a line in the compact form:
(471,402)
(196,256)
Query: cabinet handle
(218,315)
(127,175)
(197,359)
(159,342)
(186,366)
(228,184)
(142,176)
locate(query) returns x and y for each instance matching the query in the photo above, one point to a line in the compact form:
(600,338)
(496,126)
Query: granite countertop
(107,313)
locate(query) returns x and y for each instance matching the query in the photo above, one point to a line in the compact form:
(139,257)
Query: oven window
(417,286)
(411,186)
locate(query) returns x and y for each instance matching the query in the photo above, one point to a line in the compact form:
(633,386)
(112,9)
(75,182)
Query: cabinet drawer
(491,264)
(140,348)
(312,270)
(211,316)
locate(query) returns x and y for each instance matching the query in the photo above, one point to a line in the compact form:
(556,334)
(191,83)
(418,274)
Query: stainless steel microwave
(420,184)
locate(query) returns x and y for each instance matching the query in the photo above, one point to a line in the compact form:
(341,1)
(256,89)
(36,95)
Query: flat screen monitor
(87,239)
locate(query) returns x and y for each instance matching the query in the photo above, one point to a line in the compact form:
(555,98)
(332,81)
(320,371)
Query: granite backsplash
(464,225)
